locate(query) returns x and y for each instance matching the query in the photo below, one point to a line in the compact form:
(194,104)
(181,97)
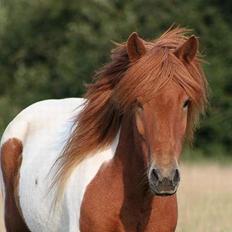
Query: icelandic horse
(109,161)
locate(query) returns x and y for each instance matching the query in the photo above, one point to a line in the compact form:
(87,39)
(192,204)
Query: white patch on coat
(43,128)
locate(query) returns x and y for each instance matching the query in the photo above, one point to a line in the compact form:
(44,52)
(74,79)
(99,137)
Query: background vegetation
(49,48)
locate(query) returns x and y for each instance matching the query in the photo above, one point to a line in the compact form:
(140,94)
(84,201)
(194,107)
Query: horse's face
(161,118)
(161,125)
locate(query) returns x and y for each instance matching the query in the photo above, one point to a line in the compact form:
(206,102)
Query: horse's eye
(186,103)
(139,107)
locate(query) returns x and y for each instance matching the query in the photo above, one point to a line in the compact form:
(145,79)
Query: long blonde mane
(119,84)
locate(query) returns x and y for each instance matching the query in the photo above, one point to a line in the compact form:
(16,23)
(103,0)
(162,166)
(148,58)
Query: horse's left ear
(187,51)
(135,47)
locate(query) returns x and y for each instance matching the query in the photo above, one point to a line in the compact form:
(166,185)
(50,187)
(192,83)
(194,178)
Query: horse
(108,162)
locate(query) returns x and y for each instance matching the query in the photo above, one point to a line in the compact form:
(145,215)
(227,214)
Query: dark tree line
(50,48)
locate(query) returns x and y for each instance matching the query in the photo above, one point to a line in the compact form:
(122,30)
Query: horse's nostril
(176,177)
(155,175)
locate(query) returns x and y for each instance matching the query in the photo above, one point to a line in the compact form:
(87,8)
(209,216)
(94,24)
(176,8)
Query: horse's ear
(187,51)
(135,47)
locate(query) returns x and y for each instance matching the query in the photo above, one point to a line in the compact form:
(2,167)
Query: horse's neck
(131,158)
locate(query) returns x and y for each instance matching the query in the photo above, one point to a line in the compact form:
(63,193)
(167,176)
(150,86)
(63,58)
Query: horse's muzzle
(162,182)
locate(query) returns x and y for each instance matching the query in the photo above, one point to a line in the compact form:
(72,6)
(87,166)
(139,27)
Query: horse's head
(160,88)
(169,89)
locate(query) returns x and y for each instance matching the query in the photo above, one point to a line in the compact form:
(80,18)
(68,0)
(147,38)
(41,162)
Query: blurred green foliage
(50,48)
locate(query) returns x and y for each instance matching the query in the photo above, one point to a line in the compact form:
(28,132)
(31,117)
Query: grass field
(204,199)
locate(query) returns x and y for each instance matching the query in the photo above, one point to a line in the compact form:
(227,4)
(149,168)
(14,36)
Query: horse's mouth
(168,191)
(163,194)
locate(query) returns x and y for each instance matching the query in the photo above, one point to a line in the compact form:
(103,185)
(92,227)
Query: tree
(50,48)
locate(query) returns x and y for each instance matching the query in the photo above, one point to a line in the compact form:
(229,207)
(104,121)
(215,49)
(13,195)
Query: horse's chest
(108,206)
(110,214)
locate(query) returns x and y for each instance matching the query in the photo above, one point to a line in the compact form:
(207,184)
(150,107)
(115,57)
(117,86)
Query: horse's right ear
(135,47)
(187,51)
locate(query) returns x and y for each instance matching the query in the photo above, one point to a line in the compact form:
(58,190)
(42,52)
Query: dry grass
(204,198)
